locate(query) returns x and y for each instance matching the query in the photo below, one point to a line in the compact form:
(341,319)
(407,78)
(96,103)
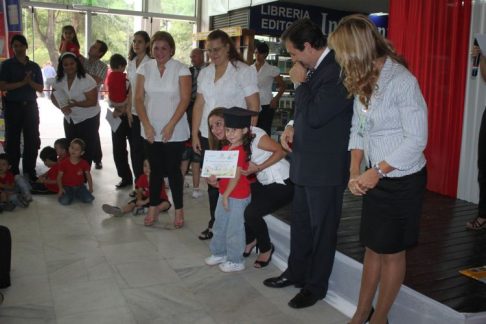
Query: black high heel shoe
(371,314)
(263,264)
(247,254)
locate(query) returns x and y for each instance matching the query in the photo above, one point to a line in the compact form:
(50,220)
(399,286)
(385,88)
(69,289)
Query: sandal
(149,221)
(178,223)
(262,264)
(206,235)
(475,224)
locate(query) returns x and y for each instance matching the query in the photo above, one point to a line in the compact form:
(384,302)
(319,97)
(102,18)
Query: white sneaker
(196,193)
(229,266)
(112,210)
(214,260)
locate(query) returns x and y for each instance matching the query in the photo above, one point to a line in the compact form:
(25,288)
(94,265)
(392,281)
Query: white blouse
(266,75)
(132,77)
(77,92)
(162,97)
(275,173)
(229,91)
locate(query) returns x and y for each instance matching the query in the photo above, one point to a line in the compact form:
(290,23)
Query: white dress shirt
(396,122)
(77,92)
(229,91)
(132,77)
(162,95)
(265,76)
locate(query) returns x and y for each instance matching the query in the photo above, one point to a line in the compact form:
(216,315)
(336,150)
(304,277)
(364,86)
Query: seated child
(47,183)
(62,146)
(141,203)
(14,190)
(70,178)
(118,85)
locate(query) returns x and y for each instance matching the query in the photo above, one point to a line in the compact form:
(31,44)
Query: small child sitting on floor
(70,178)
(62,148)
(139,205)
(47,183)
(14,190)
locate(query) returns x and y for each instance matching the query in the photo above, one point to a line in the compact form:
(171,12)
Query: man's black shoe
(123,184)
(304,298)
(98,165)
(279,282)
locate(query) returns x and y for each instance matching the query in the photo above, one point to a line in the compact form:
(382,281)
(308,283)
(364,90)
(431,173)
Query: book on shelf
(478,273)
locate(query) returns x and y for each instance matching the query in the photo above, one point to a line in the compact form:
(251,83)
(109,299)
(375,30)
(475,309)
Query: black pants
(137,151)
(165,160)
(316,212)
(5,256)
(265,119)
(22,117)
(120,153)
(213,192)
(265,200)
(87,130)
(98,154)
(482,167)
(40,189)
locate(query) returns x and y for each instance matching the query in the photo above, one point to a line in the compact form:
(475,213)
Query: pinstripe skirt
(391,213)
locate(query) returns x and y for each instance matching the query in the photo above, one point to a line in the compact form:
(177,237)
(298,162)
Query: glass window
(181,31)
(135,5)
(173,7)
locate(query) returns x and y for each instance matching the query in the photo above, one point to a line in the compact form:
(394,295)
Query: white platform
(410,306)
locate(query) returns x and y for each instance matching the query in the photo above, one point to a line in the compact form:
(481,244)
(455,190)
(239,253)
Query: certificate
(220,163)
(61,97)
(114,122)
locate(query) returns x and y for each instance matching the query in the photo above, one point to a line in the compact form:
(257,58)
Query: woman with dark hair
(75,93)
(389,131)
(21,78)
(266,74)
(227,82)
(162,94)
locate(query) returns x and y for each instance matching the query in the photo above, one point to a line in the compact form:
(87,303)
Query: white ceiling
(364,6)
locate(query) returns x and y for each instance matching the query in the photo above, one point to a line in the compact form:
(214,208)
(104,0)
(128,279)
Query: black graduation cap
(236,117)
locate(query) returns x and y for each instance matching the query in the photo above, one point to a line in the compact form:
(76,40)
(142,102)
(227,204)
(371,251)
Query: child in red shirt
(47,183)
(70,178)
(141,203)
(118,85)
(228,243)
(62,149)
(69,41)
(14,190)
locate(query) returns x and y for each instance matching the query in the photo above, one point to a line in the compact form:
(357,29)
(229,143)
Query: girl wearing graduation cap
(228,243)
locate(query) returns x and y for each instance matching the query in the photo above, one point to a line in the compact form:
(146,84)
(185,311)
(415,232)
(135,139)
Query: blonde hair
(358,45)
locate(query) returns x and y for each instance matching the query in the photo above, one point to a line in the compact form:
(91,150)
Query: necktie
(194,83)
(310,72)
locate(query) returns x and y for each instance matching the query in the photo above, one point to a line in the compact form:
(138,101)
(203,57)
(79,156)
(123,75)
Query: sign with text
(273,18)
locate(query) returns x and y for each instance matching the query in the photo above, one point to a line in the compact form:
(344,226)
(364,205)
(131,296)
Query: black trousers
(265,199)
(98,154)
(165,160)
(120,153)
(213,192)
(265,119)
(137,151)
(5,256)
(482,167)
(22,117)
(87,130)
(316,212)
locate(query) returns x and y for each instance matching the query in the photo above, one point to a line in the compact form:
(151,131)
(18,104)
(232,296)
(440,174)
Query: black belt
(23,103)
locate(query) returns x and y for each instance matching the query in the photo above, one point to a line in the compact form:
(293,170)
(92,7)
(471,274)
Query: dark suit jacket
(322,124)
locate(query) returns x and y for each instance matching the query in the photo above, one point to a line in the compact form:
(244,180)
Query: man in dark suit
(319,165)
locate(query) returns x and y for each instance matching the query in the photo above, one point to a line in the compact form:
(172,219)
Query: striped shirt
(396,122)
(97,68)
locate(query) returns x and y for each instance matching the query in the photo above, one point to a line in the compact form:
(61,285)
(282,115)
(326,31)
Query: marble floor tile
(32,290)
(183,317)
(133,252)
(119,315)
(78,270)
(28,264)
(26,242)
(74,248)
(146,273)
(28,314)
(84,297)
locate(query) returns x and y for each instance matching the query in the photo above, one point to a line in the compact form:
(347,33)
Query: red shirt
(242,189)
(52,175)
(117,86)
(9,179)
(59,159)
(73,174)
(144,184)
(70,47)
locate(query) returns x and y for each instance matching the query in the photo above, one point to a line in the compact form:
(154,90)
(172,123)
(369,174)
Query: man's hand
(287,138)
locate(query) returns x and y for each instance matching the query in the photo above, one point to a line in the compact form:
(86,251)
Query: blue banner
(273,18)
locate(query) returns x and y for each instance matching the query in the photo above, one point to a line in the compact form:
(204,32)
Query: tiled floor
(75,264)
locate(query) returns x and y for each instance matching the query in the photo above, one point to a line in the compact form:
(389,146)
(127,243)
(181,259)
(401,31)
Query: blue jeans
(80,192)
(22,186)
(229,229)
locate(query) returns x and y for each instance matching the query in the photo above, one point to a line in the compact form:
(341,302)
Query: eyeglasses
(214,50)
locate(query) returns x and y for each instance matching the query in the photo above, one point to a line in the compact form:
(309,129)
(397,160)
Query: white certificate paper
(61,97)
(114,122)
(222,164)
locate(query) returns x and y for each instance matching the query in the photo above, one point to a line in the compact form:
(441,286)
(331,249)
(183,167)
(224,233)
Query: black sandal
(263,264)
(207,235)
(475,224)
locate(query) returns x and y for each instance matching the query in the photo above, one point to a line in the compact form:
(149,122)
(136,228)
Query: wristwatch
(378,171)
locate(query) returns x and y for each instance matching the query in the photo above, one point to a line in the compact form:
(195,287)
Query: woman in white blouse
(139,54)
(162,95)
(227,82)
(266,74)
(75,92)
(389,131)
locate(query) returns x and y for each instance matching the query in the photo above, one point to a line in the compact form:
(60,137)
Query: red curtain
(433,36)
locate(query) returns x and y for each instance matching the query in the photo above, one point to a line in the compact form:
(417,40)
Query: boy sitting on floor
(14,190)
(47,183)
